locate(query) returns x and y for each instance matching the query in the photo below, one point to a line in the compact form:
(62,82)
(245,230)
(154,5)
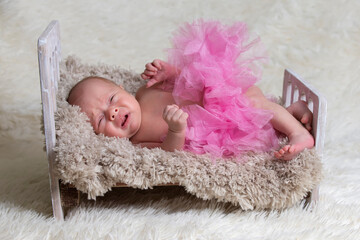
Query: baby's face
(112,111)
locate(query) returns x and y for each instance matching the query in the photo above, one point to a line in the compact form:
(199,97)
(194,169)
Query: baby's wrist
(177,131)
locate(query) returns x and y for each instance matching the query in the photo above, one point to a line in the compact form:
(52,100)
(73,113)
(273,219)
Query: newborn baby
(218,110)
(152,119)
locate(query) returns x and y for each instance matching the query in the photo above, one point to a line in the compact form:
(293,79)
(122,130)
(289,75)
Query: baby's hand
(159,71)
(175,118)
(151,72)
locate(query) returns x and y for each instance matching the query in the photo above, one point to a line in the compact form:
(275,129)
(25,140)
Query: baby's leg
(302,113)
(159,71)
(283,121)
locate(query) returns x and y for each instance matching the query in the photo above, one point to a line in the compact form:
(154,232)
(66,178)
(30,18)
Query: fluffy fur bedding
(95,163)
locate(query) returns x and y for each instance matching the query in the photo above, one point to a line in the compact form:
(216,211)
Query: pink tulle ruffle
(218,65)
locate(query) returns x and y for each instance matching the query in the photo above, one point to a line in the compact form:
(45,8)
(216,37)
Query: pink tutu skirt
(218,65)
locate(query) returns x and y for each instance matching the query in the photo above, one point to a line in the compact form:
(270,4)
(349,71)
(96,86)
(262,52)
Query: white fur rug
(320,40)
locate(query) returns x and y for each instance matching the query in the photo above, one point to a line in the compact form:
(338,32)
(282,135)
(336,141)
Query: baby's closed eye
(100,120)
(112,98)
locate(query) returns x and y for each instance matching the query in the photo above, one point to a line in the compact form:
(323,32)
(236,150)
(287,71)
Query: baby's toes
(285,149)
(292,149)
(280,153)
(277,155)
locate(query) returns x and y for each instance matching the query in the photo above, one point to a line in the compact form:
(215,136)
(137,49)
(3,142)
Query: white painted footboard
(294,89)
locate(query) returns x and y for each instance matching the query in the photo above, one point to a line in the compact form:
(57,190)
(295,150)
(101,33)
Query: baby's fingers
(157,64)
(145,77)
(169,112)
(180,115)
(177,115)
(175,118)
(150,67)
(149,73)
(184,116)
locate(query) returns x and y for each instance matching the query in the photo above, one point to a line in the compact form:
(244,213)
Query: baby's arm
(176,119)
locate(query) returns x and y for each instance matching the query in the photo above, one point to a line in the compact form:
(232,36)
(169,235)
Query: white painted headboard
(49,55)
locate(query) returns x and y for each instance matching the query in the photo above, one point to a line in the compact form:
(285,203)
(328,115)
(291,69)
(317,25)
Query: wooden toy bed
(294,88)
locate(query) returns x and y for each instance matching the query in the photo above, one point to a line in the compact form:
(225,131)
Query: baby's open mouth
(125,119)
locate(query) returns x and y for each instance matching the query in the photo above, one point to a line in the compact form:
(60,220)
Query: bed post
(49,54)
(294,89)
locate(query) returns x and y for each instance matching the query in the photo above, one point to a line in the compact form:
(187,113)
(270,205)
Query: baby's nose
(113,113)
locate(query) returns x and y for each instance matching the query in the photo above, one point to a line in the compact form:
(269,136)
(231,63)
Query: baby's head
(112,111)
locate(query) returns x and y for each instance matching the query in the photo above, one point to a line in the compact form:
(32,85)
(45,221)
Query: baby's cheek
(111,131)
(108,131)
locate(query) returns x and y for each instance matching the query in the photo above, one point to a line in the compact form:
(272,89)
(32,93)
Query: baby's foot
(305,117)
(297,143)
(302,113)
(158,71)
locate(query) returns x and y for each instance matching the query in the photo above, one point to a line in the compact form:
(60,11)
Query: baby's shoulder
(148,91)
(140,92)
